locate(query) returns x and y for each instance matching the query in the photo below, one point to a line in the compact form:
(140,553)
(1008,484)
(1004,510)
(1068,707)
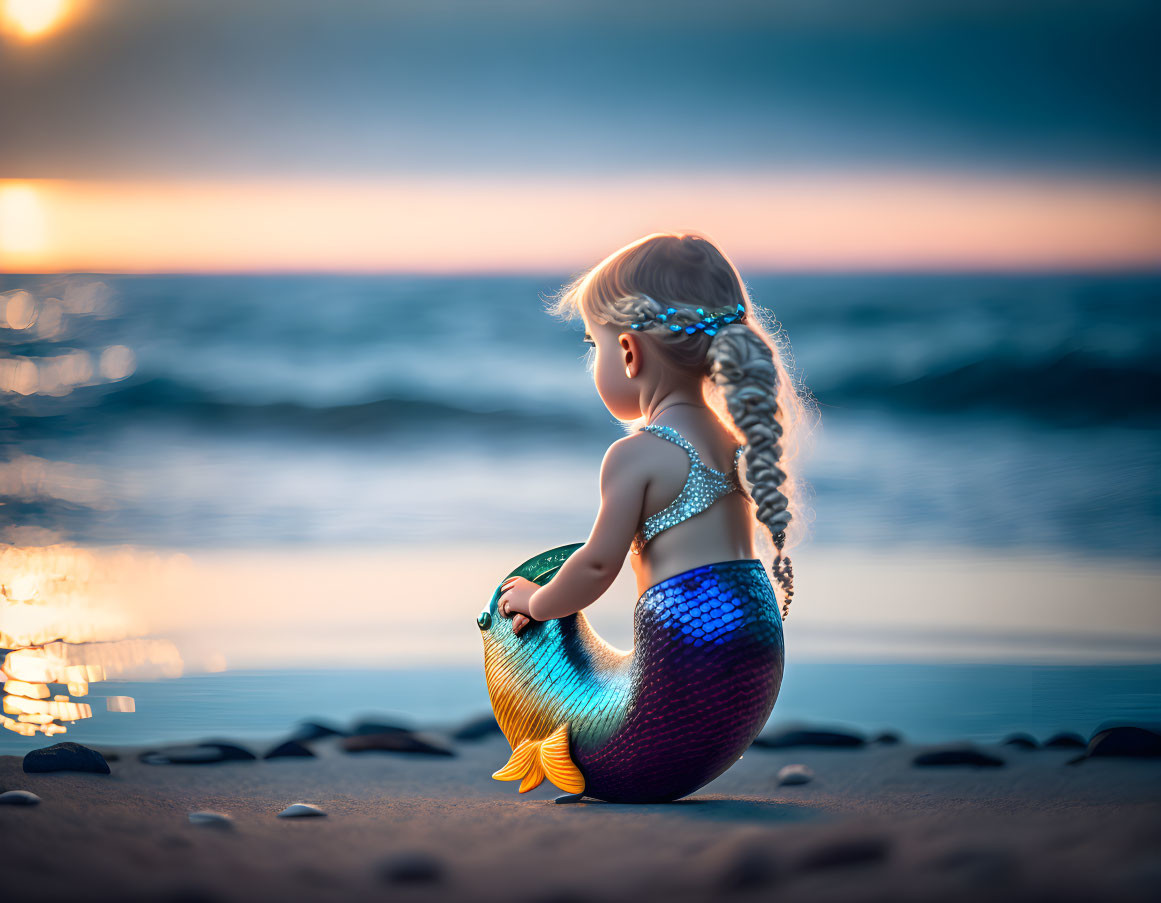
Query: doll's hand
(516,593)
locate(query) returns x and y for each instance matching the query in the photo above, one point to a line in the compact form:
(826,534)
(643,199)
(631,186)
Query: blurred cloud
(356,88)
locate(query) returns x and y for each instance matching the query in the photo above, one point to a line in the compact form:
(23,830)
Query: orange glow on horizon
(31,20)
(813,221)
(22,225)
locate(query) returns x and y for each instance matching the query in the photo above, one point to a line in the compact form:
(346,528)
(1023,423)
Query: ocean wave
(1072,387)
(161,399)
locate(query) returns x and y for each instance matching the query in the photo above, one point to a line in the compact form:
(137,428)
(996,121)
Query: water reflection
(64,621)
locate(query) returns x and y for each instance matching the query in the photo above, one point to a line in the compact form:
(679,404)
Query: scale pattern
(658,722)
(702,488)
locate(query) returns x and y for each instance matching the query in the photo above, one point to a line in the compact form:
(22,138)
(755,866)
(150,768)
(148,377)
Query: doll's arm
(592,568)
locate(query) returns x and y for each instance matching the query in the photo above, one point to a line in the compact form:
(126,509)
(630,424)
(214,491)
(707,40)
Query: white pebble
(300,810)
(19,798)
(792,775)
(217,819)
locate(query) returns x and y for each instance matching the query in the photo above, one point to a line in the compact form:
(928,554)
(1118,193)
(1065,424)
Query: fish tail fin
(534,760)
(558,764)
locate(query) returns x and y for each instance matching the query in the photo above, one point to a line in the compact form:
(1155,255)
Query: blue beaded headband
(707,323)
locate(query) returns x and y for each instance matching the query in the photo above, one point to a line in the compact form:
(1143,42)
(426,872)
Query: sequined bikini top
(702,488)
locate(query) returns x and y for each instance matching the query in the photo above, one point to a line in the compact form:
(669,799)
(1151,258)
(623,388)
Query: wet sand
(870,826)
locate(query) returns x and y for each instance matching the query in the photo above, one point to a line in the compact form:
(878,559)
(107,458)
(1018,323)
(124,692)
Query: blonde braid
(741,364)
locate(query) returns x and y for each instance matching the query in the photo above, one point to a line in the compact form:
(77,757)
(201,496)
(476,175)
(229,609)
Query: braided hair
(692,299)
(742,366)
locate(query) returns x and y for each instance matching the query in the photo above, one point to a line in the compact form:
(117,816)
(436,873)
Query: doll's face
(616,368)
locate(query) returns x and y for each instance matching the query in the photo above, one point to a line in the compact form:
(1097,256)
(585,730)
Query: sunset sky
(195,135)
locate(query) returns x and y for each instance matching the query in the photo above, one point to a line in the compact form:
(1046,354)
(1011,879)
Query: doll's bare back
(721,532)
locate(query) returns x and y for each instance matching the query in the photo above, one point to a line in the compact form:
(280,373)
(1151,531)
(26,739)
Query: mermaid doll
(688,495)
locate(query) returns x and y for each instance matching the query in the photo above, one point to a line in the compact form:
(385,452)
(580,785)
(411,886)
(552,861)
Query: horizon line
(844,222)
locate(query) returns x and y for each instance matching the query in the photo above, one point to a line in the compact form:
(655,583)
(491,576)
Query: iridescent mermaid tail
(649,725)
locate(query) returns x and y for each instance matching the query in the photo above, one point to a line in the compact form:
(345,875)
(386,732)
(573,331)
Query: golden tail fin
(534,760)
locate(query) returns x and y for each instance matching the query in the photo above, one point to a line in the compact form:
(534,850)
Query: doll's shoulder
(628,459)
(640,457)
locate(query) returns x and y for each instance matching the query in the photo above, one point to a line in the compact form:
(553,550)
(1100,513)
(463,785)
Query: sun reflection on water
(61,627)
(69,616)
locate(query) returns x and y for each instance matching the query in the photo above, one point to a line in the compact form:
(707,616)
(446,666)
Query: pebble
(569,798)
(1021,741)
(315,730)
(1065,740)
(211,819)
(793,775)
(301,810)
(396,740)
(790,737)
(957,755)
(65,757)
(1121,742)
(18,798)
(477,729)
(289,749)
(197,754)
(412,868)
(378,727)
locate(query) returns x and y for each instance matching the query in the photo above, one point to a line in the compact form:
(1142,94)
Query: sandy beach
(285,395)
(871,825)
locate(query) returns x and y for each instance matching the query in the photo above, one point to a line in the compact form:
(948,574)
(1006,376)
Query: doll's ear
(630,353)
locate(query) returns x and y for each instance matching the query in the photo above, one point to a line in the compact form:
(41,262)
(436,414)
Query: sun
(33,19)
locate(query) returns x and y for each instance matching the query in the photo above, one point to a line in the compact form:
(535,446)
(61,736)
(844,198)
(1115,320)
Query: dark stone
(1021,741)
(477,729)
(887,738)
(65,757)
(846,852)
(315,730)
(197,754)
(1065,741)
(791,737)
(364,728)
(1122,742)
(569,798)
(412,868)
(957,755)
(289,749)
(219,820)
(301,810)
(397,740)
(18,798)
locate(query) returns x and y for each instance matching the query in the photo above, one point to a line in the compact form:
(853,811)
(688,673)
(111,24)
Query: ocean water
(997,413)
(926,703)
(984,411)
